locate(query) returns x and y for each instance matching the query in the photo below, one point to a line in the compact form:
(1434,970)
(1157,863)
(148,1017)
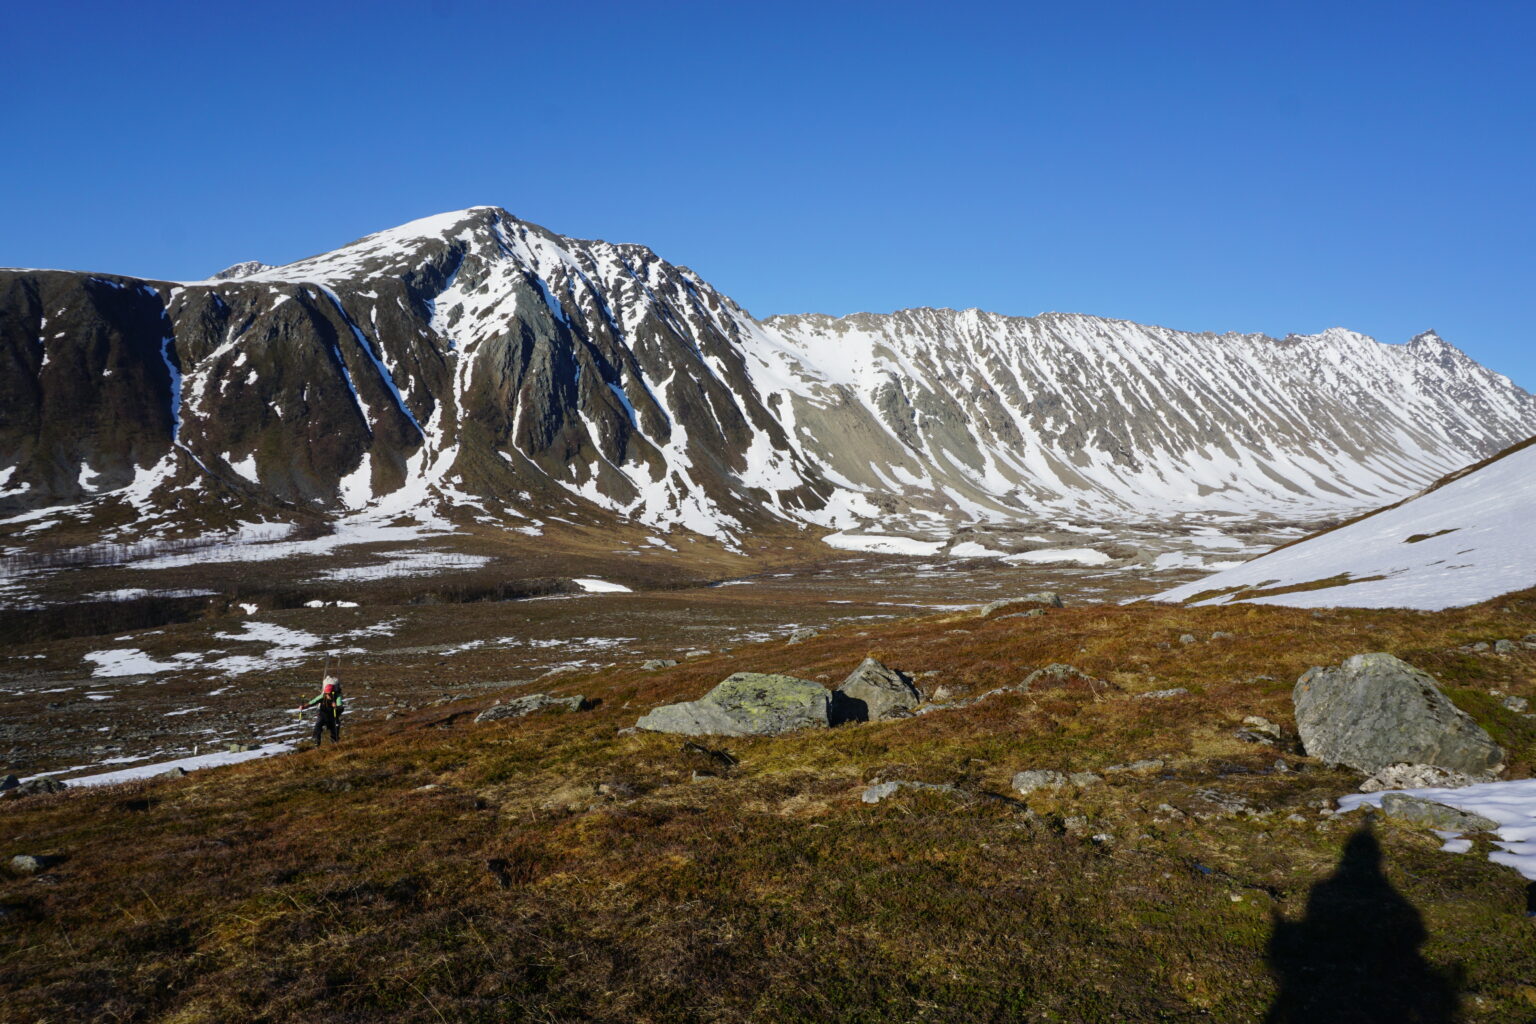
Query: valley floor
(562,868)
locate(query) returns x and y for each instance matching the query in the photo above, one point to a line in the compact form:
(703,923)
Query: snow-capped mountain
(475,362)
(1463,540)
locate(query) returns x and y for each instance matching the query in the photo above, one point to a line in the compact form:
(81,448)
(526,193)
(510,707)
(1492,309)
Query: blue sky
(1277,167)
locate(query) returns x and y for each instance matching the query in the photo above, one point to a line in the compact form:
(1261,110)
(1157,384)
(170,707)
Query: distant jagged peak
(241,270)
(489,232)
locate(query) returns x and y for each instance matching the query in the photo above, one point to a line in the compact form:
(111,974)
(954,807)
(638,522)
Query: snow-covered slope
(475,364)
(1110,418)
(1468,539)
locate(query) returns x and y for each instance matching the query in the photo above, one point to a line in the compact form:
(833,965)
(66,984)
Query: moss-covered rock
(746,704)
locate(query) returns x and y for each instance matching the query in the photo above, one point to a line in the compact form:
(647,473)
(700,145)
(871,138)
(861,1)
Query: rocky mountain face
(474,364)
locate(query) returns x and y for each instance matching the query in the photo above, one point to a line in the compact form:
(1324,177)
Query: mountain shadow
(1354,957)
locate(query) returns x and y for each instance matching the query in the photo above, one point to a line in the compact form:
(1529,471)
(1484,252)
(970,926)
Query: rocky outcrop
(519,707)
(1064,677)
(1030,781)
(874,692)
(1041,600)
(1375,710)
(747,704)
(1419,776)
(1432,815)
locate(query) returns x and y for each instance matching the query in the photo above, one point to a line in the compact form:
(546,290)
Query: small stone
(1505,647)
(1187,638)
(1177,691)
(802,634)
(31,864)
(1145,765)
(1221,635)
(1516,704)
(1083,780)
(1477,648)
(1257,729)
(173,773)
(881,790)
(652,664)
(699,653)
(1038,778)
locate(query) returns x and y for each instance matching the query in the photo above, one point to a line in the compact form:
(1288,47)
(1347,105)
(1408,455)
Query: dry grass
(551,869)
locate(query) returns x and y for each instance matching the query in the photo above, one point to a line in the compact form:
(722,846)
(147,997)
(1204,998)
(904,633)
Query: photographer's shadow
(1354,957)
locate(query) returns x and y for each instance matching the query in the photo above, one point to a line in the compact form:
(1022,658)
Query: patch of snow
(145,771)
(885,544)
(1465,542)
(127,662)
(1051,556)
(592,586)
(1511,804)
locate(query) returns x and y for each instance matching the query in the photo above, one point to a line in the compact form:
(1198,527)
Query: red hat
(330,684)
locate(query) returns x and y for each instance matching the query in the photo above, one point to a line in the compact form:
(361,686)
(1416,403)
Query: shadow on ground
(1354,957)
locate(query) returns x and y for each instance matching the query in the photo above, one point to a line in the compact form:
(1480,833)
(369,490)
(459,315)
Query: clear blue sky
(1278,167)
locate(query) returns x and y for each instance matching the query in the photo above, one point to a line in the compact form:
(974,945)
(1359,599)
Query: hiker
(330,706)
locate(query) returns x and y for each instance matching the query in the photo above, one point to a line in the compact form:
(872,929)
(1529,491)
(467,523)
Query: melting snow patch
(145,771)
(885,544)
(601,587)
(1081,556)
(1511,804)
(128,662)
(970,549)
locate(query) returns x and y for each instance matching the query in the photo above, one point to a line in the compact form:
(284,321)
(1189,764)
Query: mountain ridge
(479,365)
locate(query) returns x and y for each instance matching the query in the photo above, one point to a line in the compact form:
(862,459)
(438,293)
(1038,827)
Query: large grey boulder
(518,707)
(874,692)
(1375,710)
(747,704)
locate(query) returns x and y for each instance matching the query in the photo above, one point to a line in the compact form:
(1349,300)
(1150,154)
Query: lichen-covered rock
(880,790)
(652,664)
(1038,778)
(1433,815)
(1063,677)
(520,706)
(1419,776)
(1047,598)
(1375,710)
(747,704)
(874,692)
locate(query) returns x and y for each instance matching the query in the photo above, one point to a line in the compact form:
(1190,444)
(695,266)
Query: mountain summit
(478,365)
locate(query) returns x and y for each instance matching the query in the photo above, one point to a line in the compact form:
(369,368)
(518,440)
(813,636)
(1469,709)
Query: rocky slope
(479,365)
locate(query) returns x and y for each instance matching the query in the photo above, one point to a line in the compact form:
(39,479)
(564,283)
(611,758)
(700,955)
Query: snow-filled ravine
(1512,804)
(1467,541)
